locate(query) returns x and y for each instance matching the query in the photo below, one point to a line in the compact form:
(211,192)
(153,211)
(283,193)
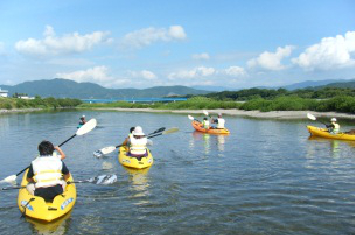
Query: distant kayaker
(206,123)
(125,142)
(220,121)
(138,142)
(82,120)
(333,128)
(47,174)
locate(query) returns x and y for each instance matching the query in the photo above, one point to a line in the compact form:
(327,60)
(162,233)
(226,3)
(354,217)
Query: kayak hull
(134,162)
(199,127)
(323,132)
(35,207)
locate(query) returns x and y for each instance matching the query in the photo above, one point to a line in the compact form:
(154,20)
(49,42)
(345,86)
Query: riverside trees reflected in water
(266,177)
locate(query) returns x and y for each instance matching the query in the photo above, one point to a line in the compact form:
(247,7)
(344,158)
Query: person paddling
(333,127)
(82,120)
(47,174)
(138,142)
(220,121)
(206,123)
(125,142)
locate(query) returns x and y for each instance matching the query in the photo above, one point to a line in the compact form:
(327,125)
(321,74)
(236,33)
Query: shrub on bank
(10,103)
(343,104)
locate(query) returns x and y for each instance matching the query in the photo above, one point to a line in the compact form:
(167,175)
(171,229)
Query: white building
(3,93)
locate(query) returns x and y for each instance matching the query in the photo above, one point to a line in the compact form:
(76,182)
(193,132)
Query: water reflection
(220,142)
(207,140)
(57,227)
(204,138)
(335,146)
(140,184)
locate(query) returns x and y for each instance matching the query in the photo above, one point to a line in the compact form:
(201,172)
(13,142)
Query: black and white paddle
(101,179)
(86,128)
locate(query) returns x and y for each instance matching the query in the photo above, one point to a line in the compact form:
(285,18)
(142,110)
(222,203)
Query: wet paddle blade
(87,127)
(108,150)
(190,117)
(311,116)
(10,179)
(205,112)
(171,130)
(104,179)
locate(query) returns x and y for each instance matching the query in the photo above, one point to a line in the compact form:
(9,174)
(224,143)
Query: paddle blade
(10,179)
(205,112)
(190,117)
(171,130)
(87,127)
(104,179)
(108,150)
(311,116)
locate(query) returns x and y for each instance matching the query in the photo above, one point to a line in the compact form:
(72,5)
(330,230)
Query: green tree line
(254,93)
(345,104)
(38,102)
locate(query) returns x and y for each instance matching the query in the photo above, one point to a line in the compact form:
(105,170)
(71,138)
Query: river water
(267,177)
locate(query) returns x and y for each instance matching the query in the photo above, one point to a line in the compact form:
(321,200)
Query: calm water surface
(267,177)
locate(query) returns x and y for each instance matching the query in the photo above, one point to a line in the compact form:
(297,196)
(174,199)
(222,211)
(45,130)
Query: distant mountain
(338,84)
(310,83)
(211,88)
(65,88)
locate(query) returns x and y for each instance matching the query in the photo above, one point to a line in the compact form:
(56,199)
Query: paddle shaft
(71,137)
(69,182)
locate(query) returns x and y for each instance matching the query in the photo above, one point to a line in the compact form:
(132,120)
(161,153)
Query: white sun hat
(333,120)
(138,131)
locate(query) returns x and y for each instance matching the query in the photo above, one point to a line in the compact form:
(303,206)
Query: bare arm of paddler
(60,151)
(66,177)
(30,174)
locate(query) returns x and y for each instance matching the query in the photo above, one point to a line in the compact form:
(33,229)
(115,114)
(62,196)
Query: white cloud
(2,48)
(330,53)
(52,45)
(146,74)
(193,73)
(97,74)
(235,71)
(271,60)
(203,56)
(144,37)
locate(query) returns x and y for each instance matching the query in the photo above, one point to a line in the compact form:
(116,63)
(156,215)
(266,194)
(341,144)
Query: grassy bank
(10,103)
(344,104)
(195,103)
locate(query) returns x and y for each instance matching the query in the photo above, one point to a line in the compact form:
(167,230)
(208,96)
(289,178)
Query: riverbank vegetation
(38,102)
(345,104)
(194,103)
(310,93)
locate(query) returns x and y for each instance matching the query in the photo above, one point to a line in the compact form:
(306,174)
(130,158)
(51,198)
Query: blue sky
(235,44)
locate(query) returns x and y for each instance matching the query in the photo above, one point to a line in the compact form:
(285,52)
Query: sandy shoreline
(23,110)
(252,114)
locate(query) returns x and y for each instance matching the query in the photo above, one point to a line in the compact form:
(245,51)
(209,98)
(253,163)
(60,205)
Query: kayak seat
(139,157)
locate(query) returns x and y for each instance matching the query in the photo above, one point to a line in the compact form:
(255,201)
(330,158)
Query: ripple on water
(258,180)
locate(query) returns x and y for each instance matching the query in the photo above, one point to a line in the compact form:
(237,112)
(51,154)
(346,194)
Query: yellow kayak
(134,162)
(199,127)
(35,207)
(324,133)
